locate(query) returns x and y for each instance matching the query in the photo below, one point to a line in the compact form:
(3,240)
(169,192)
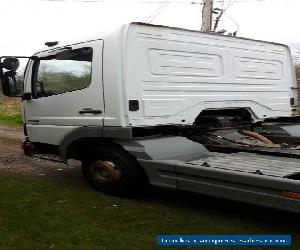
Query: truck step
(48,157)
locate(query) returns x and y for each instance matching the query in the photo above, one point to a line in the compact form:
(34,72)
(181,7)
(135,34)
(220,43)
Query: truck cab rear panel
(175,74)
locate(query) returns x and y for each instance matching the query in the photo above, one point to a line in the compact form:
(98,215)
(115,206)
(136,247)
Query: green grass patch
(15,120)
(47,214)
(10,111)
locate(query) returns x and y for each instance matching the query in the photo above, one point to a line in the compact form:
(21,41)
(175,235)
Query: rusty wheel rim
(105,172)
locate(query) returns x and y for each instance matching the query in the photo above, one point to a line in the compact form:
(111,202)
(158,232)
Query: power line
(222,4)
(233,20)
(76,1)
(157,2)
(221,11)
(201,2)
(157,12)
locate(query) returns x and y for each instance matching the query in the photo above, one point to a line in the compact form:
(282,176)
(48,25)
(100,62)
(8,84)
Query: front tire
(113,171)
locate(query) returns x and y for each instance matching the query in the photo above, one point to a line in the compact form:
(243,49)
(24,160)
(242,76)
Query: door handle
(90,111)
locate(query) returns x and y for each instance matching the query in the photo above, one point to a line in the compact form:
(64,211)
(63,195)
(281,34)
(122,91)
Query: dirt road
(12,159)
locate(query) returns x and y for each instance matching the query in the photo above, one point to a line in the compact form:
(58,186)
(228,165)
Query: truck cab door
(64,91)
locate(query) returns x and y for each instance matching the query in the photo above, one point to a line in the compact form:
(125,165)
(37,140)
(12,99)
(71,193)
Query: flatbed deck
(252,164)
(257,178)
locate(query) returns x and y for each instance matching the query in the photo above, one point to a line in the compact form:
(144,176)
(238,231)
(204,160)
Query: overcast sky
(27,24)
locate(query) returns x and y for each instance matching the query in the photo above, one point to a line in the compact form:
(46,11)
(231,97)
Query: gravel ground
(12,160)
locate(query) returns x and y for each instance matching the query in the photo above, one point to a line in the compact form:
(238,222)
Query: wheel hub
(105,172)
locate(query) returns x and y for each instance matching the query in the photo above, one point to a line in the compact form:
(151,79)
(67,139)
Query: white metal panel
(49,134)
(113,75)
(257,68)
(180,63)
(54,116)
(175,74)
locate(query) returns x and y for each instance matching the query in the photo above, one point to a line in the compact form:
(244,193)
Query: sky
(27,24)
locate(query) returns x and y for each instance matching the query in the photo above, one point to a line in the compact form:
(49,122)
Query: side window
(65,71)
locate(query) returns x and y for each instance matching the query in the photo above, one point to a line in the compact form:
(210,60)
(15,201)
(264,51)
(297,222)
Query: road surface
(12,159)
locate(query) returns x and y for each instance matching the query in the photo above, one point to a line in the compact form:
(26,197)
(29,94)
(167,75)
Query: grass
(11,120)
(10,111)
(47,214)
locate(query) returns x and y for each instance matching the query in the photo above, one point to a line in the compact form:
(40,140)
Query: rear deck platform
(252,163)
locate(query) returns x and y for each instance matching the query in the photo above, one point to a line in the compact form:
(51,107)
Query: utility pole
(207,15)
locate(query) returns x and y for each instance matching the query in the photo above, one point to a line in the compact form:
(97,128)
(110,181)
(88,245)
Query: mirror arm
(26,96)
(1,73)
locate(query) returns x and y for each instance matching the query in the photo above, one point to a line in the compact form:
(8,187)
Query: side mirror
(11,63)
(11,85)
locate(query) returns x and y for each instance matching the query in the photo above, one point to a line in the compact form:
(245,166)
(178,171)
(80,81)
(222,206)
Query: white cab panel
(175,74)
(50,118)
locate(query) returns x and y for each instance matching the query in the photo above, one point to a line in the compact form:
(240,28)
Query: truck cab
(174,108)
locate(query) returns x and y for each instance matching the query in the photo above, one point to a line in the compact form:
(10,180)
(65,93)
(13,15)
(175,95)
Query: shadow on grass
(229,217)
(40,212)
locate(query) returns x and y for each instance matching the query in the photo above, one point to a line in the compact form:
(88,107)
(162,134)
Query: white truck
(170,107)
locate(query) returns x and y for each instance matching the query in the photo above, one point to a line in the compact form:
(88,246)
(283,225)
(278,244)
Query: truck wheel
(113,171)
